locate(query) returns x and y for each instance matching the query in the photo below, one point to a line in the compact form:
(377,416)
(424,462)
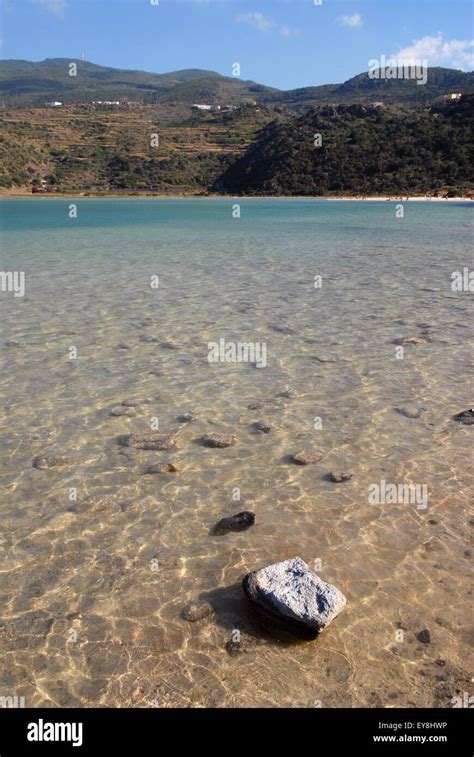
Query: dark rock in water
(196,611)
(44,463)
(218,440)
(405,341)
(135,403)
(168,467)
(424,636)
(409,411)
(233,648)
(339,477)
(324,360)
(12,343)
(466,417)
(239,522)
(150,440)
(291,599)
(307,456)
(282,329)
(123,346)
(187,417)
(262,426)
(169,346)
(290,394)
(120,410)
(255,406)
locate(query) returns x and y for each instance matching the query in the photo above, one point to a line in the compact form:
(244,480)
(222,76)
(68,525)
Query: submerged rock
(404,341)
(424,636)
(149,339)
(324,360)
(12,343)
(123,346)
(168,467)
(233,647)
(44,463)
(169,346)
(409,411)
(466,417)
(120,410)
(196,611)
(262,426)
(288,597)
(282,329)
(339,477)
(187,417)
(135,403)
(149,440)
(218,440)
(239,522)
(290,394)
(307,456)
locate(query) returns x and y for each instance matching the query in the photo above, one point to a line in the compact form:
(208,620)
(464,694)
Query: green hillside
(365,150)
(26,83)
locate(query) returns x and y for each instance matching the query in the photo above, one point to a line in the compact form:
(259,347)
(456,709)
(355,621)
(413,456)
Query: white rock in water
(290,597)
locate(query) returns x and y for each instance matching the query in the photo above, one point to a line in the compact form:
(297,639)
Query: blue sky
(282,43)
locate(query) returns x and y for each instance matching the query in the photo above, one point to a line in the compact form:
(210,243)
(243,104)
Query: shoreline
(210,196)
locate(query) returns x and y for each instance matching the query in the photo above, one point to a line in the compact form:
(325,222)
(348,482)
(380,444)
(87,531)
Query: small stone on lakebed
(407,340)
(307,456)
(120,410)
(239,522)
(149,441)
(187,417)
(424,636)
(409,411)
(290,598)
(291,394)
(44,463)
(218,440)
(169,467)
(339,477)
(466,417)
(233,648)
(196,611)
(262,426)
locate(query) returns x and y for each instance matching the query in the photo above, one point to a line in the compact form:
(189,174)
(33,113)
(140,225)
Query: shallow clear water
(88,617)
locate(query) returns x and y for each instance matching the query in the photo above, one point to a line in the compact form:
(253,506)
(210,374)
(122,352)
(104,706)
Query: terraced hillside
(141,148)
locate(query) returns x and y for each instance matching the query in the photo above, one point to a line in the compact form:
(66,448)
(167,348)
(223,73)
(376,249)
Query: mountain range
(27,83)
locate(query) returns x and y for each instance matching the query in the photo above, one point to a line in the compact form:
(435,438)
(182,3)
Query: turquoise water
(85,565)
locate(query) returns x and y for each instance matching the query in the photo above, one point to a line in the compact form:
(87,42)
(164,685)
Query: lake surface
(98,558)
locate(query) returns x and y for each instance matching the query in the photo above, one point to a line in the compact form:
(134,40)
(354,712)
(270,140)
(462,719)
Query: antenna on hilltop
(82,56)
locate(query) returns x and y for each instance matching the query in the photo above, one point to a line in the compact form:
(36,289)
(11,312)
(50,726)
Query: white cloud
(287,31)
(257,20)
(455,53)
(57,7)
(355,21)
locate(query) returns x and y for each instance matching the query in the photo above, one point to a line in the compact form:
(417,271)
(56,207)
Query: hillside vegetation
(27,83)
(78,149)
(363,151)
(262,141)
